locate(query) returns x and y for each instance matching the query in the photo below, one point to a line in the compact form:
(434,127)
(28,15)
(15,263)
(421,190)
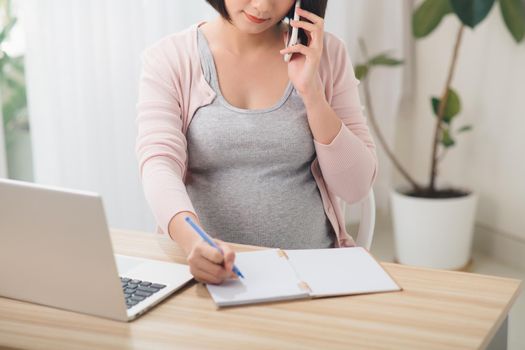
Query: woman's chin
(251,29)
(246,26)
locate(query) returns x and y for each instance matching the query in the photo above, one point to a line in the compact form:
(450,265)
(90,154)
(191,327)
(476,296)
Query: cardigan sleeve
(160,144)
(349,162)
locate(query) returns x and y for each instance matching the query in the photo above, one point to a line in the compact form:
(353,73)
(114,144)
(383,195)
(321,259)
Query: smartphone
(293,37)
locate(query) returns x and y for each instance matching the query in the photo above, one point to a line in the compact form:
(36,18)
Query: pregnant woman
(255,149)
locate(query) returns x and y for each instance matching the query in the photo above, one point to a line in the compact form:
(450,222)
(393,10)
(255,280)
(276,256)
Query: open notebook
(276,274)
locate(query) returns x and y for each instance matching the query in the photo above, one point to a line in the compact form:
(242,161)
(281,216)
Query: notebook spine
(282,254)
(304,286)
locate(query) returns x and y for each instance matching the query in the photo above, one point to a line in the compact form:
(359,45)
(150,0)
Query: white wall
(82,69)
(490,78)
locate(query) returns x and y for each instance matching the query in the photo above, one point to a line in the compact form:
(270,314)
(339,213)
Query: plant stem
(368,101)
(390,154)
(442,155)
(441,111)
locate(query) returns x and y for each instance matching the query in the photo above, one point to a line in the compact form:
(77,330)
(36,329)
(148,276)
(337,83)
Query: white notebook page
(340,271)
(268,277)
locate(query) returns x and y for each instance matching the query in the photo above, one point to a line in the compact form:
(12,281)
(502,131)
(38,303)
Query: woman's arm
(182,233)
(344,146)
(161,152)
(160,144)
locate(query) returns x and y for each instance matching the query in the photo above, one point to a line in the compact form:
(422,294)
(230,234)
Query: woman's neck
(241,44)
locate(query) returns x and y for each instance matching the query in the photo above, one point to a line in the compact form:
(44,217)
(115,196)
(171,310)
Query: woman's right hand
(208,265)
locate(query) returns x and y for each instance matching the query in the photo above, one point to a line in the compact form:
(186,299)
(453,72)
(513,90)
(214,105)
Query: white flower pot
(434,233)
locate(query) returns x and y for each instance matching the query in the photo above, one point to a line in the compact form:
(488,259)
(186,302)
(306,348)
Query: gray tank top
(249,171)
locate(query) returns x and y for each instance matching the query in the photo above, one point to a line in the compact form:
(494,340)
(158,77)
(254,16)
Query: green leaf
(361,71)
(17,63)
(7,29)
(384,60)
(452,107)
(465,128)
(428,15)
(513,13)
(446,140)
(472,12)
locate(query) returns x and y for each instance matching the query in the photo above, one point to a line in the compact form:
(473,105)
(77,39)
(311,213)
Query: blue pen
(208,240)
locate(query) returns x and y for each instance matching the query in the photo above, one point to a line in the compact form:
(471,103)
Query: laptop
(55,250)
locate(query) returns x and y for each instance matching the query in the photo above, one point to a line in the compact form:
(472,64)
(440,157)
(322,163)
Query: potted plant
(433,227)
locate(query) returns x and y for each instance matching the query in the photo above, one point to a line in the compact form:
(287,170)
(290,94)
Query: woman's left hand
(303,69)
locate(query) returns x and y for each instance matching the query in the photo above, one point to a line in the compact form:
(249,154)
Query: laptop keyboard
(136,291)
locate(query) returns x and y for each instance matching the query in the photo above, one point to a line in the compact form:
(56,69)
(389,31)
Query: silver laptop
(55,250)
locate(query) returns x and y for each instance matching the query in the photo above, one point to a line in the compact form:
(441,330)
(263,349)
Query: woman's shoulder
(334,58)
(334,48)
(179,46)
(332,41)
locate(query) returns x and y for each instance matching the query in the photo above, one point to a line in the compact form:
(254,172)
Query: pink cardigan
(172,87)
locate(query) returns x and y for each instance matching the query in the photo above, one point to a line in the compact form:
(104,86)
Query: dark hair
(315,6)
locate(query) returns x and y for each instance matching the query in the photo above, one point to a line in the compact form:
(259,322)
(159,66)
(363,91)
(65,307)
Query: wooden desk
(436,310)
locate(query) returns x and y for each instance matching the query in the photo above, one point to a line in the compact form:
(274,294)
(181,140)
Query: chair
(367,220)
